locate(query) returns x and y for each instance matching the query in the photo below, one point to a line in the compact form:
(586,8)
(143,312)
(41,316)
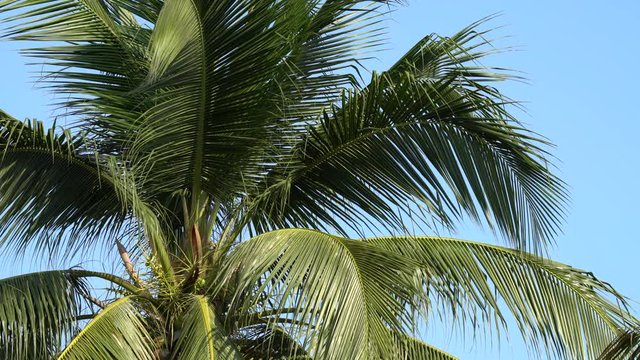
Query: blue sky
(581,61)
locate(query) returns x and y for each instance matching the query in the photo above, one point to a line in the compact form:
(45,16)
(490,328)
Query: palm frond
(625,346)
(52,20)
(559,310)
(97,58)
(117,332)
(428,136)
(202,335)
(38,313)
(52,191)
(231,90)
(436,56)
(338,296)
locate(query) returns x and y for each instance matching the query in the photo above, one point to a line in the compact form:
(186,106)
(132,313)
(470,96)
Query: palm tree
(235,156)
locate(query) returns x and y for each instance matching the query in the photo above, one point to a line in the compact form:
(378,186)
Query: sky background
(581,61)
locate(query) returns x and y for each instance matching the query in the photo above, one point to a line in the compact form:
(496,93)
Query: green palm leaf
(76,199)
(625,346)
(561,310)
(230,92)
(441,140)
(340,296)
(55,23)
(97,58)
(202,336)
(117,332)
(38,313)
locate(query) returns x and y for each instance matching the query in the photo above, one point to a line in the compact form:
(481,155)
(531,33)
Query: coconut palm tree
(267,198)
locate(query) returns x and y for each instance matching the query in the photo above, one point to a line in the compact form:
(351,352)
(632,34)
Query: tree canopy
(258,186)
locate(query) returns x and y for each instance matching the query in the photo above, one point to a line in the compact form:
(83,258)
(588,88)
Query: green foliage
(441,139)
(354,290)
(117,332)
(38,313)
(625,346)
(55,170)
(202,335)
(220,143)
(555,306)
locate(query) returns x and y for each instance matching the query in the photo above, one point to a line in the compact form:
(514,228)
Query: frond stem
(112,279)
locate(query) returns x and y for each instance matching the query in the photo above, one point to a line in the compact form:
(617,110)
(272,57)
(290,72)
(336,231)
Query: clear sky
(581,59)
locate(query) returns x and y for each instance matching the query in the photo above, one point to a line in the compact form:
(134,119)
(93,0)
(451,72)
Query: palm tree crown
(236,158)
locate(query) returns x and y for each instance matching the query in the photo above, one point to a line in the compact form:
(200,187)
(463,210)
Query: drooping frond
(625,346)
(97,59)
(560,310)
(428,135)
(38,314)
(338,296)
(117,332)
(202,335)
(51,192)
